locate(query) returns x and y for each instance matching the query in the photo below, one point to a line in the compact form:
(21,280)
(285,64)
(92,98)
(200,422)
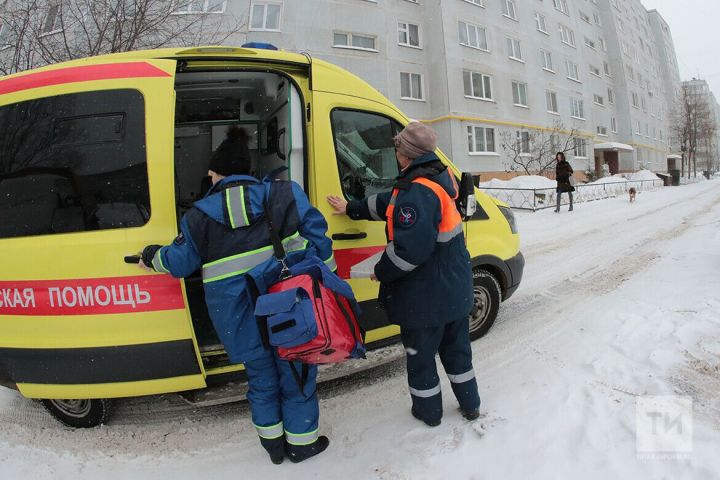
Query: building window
(509,9)
(473,36)
(580,150)
(596,17)
(265,16)
(546,59)
(354,41)
(601,131)
(562,6)
(481,139)
(577,108)
(519,90)
(411,86)
(477,85)
(551,101)
(606,68)
(540,22)
(572,70)
(598,100)
(589,43)
(479,3)
(595,70)
(635,100)
(523,142)
(613,125)
(602,43)
(408,34)
(53,20)
(585,17)
(201,6)
(514,51)
(611,96)
(567,36)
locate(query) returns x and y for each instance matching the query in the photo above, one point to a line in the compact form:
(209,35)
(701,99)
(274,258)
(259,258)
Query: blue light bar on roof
(260,45)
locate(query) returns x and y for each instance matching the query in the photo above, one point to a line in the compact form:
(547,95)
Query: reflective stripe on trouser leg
(421,345)
(456,357)
(301,438)
(270,432)
(264,391)
(300,410)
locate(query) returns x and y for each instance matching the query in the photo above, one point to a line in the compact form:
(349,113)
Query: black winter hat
(232,156)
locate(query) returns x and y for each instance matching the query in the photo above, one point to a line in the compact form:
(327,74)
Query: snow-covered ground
(620,301)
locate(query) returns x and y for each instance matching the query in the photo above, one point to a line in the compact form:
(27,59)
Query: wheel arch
(497,267)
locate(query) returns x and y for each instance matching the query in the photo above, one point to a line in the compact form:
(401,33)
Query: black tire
(486,297)
(79,413)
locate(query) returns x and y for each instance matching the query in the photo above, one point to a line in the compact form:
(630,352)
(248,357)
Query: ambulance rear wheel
(486,303)
(79,413)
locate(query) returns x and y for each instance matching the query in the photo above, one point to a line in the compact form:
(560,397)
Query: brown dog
(632,193)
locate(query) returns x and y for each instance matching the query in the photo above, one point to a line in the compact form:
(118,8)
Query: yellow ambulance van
(102,156)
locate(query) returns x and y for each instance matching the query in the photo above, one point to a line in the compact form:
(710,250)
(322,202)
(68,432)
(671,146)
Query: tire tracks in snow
(529,318)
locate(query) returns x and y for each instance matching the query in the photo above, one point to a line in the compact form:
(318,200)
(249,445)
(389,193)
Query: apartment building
(484,71)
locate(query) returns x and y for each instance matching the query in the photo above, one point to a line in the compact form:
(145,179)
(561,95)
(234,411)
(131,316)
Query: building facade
(488,73)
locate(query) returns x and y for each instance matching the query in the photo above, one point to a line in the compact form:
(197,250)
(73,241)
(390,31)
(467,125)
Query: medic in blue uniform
(425,273)
(225,235)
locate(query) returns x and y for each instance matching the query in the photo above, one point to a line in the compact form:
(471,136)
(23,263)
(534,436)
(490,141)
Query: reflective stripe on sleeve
(301,438)
(430,392)
(157,262)
(271,432)
(372,206)
(244,262)
(444,237)
(331,264)
(397,261)
(235,200)
(462,377)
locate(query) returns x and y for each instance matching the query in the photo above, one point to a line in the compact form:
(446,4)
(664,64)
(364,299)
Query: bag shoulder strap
(278,249)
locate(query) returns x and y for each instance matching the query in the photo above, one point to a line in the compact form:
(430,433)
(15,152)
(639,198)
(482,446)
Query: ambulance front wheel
(79,413)
(486,303)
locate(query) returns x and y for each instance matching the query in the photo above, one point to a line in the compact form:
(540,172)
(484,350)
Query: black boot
(275,448)
(429,423)
(470,414)
(298,453)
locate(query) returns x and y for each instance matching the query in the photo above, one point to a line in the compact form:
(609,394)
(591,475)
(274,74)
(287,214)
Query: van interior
(268,108)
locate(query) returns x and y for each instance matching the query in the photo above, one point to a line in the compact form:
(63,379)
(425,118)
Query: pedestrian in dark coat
(425,272)
(563,172)
(226,236)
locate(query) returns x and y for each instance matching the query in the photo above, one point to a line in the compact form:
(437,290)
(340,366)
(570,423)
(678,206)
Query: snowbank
(642,175)
(522,181)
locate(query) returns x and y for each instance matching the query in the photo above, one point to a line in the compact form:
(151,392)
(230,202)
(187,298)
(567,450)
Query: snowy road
(619,301)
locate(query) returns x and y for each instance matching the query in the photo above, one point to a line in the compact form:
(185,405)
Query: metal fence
(539,198)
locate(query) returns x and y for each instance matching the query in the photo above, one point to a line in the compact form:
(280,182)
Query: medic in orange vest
(425,272)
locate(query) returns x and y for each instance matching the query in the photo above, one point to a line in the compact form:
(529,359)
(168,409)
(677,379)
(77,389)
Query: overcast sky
(694,27)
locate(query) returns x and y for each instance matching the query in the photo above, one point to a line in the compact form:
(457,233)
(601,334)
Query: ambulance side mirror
(467,204)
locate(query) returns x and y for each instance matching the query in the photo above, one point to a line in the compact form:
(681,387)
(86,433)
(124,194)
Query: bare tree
(39,32)
(533,151)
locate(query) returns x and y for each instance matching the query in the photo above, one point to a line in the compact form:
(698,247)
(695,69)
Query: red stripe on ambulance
(345,258)
(91,296)
(86,73)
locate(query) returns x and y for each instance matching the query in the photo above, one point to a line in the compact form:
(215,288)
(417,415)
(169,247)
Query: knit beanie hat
(231,157)
(415,140)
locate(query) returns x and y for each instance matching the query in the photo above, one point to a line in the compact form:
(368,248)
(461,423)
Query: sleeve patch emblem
(407,216)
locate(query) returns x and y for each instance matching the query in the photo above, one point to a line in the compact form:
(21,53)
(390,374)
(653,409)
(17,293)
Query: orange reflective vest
(450,219)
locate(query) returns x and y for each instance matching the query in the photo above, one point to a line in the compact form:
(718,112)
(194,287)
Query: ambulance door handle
(132,259)
(349,236)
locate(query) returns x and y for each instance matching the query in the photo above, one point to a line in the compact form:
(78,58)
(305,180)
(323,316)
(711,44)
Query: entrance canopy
(674,156)
(614,146)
